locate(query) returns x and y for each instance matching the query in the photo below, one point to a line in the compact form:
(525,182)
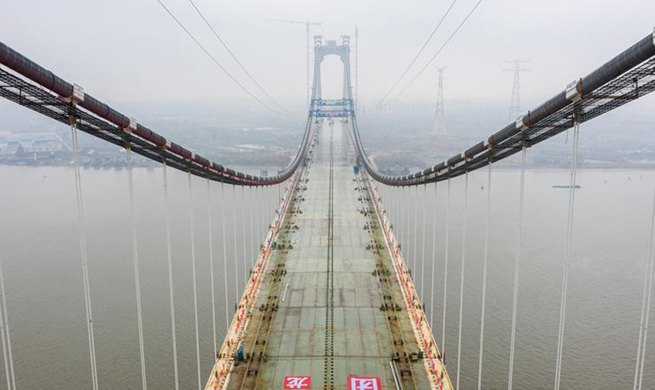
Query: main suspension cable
(443,46)
(135,260)
(413,61)
(234,57)
(171,295)
(517,262)
(215,61)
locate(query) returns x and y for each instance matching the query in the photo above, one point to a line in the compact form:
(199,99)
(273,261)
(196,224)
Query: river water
(39,250)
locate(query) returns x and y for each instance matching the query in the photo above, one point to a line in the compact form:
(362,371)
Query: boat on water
(577,186)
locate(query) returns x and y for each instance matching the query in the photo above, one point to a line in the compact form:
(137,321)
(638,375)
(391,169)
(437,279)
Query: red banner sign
(297,382)
(364,383)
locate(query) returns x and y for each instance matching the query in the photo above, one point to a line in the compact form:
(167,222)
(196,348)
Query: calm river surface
(39,250)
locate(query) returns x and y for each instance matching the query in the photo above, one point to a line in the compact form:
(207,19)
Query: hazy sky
(131,50)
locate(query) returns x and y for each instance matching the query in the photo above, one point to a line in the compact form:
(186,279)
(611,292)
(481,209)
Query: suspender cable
(461,277)
(264,210)
(643,297)
(484,274)
(236,248)
(210,234)
(260,219)
(276,204)
(645,306)
(396,208)
(398,211)
(406,227)
(84,257)
(251,227)
(6,340)
(224,244)
(423,252)
(434,253)
(4,347)
(257,222)
(243,235)
(135,260)
(195,282)
(517,261)
(445,270)
(567,252)
(415,234)
(389,205)
(170,277)
(401,225)
(388,200)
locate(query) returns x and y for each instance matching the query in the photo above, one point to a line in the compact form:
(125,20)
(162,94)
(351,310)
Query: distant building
(11,143)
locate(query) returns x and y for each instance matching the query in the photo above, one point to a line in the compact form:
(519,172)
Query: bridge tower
(343,107)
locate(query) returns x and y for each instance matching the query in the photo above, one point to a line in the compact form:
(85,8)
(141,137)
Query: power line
(436,54)
(215,61)
(234,57)
(425,44)
(307,25)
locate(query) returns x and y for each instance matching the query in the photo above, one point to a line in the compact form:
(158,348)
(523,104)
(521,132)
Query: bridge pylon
(344,107)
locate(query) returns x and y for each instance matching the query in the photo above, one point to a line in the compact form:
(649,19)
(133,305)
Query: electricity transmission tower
(439,112)
(440,130)
(515,101)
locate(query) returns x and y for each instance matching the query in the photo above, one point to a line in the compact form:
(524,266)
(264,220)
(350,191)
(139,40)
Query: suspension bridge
(329,301)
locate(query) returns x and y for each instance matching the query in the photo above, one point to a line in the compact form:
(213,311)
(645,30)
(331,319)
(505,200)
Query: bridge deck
(328,323)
